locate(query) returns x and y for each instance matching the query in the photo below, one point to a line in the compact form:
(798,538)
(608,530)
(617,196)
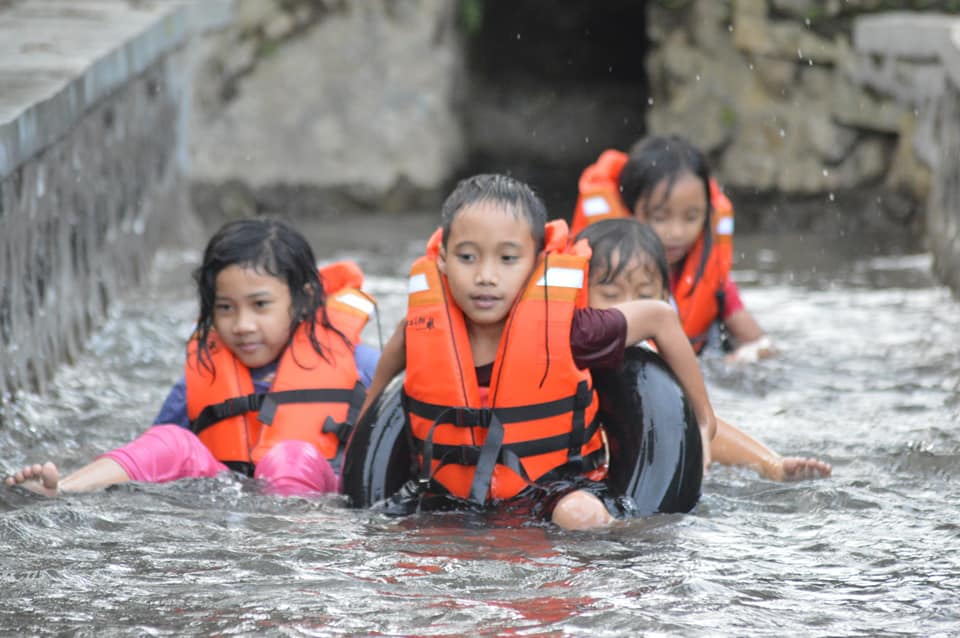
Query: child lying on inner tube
(497,318)
(628,262)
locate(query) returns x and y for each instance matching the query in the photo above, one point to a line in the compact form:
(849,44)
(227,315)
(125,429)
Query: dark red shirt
(597,340)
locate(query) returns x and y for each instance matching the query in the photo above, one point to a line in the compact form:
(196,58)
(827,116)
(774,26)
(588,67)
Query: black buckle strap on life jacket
(470,454)
(578,433)
(213,414)
(494,451)
(274,400)
(342,429)
(473,417)
(426,472)
(487,461)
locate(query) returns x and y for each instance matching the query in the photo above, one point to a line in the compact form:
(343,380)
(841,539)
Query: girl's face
(252,312)
(640,279)
(487,258)
(677,219)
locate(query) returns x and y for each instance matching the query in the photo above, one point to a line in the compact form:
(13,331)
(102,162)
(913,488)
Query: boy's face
(677,219)
(487,258)
(639,280)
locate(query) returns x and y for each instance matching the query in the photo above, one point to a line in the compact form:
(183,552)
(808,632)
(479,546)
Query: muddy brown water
(868,378)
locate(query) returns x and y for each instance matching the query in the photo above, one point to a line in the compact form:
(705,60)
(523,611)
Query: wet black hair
(656,159)
(626,238)
(501,189)
(271,247)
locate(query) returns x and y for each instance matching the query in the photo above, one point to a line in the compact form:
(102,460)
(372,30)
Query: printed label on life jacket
(417,283)
(725,226)
(356,301)
(596,205)
(562,278)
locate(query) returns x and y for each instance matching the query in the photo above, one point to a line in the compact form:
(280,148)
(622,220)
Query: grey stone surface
(92,126)
(355,107)
(915,59)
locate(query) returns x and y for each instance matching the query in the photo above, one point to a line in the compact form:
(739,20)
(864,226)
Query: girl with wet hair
(273,379)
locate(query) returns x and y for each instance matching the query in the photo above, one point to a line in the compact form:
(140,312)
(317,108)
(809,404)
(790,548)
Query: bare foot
(799,469)
(42,479)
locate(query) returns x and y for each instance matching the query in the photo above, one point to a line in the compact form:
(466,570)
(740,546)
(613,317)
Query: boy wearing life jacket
(665,181)
(497,346)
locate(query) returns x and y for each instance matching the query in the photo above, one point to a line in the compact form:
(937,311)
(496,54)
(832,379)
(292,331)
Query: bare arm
(733,446)
(751,341)
(649,319)
(392,362)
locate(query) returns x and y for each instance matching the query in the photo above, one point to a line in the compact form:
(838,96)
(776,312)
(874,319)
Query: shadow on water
(868,378)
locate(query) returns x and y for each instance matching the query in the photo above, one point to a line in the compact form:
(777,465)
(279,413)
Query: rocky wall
(92,126)
(772,90)
(323,107)
(914,59)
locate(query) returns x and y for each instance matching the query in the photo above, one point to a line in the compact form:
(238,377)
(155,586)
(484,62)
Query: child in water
(628,262)
(665,181)
(273,374)
(497,347)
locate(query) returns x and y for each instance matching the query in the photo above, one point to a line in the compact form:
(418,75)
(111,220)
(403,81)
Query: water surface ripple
(868,378)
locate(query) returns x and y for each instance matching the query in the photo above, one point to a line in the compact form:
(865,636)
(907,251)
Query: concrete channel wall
(916,59)
(94,98)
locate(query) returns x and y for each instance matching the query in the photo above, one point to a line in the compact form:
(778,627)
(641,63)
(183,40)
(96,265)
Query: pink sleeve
(731,298)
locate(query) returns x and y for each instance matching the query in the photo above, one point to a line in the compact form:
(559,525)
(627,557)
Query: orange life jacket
(311,399)
(699,299)
(541,409)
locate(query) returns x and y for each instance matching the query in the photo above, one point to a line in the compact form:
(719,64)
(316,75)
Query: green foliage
(728,117)
(471,16)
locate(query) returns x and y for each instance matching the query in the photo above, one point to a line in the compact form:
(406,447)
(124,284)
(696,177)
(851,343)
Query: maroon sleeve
(597,338)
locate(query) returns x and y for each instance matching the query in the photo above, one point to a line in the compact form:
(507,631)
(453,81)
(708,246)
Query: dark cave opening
(550,85)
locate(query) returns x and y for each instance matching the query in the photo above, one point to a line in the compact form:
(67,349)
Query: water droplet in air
(783,133)
(650,101)
(831,197)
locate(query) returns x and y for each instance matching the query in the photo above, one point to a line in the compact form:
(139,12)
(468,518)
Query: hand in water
(752,351)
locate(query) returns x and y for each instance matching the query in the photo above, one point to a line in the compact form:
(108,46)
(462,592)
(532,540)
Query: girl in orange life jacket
(270,377)
(628,262)
(665,181)
(496,303)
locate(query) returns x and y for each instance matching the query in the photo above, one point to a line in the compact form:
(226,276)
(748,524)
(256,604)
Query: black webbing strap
(266,404)
(342,430)
(474,417)
(578,434)
(493,452)
(275,399)
(470,454)
(487,461)
(217,412)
